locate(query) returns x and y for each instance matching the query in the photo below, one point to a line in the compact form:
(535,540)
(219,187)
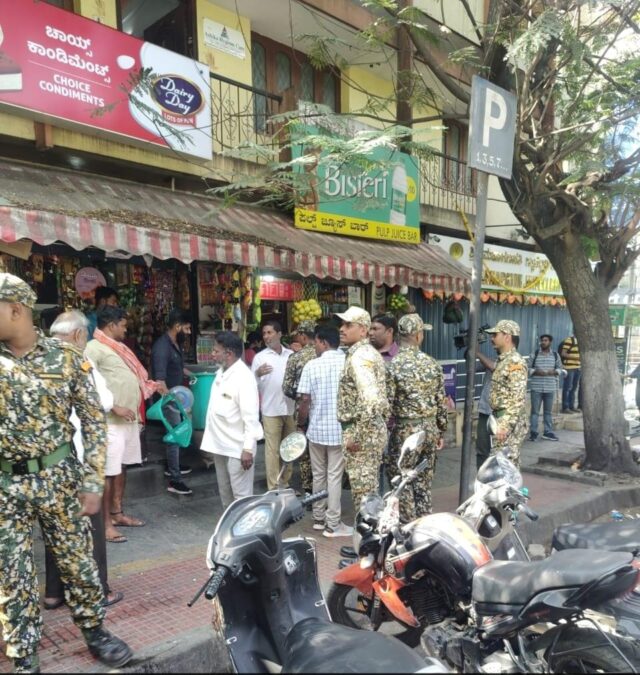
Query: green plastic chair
(181,433)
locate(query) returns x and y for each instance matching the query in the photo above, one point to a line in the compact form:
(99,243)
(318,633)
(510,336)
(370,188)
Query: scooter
(268,601)
(479,615)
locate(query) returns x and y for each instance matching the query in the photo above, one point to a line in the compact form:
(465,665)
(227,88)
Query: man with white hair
(72,327)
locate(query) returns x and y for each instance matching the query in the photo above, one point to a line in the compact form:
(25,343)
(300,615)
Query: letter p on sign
(492,128)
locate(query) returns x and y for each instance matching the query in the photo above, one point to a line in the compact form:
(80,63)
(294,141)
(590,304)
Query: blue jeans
(172,415)
(569,388)
(546,398)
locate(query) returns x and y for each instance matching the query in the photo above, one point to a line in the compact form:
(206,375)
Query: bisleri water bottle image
(399,189)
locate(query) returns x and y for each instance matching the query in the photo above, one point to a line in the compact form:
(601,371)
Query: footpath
(162,565)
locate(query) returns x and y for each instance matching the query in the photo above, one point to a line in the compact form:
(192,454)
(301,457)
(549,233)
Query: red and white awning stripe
(44,227)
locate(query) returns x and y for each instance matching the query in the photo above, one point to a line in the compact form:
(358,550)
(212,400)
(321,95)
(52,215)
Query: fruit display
(306,310)
(397,302)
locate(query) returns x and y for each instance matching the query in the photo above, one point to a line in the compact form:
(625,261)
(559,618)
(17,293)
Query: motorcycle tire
(600,658)
(337,603)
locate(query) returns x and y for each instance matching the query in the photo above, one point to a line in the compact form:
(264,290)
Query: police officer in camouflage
(304,334)
(508,395)
(362,405)
(41,380)
(415,388)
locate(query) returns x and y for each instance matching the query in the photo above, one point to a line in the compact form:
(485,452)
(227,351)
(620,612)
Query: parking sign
(492,128)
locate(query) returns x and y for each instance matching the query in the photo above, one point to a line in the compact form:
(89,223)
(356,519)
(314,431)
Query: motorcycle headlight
(498,467)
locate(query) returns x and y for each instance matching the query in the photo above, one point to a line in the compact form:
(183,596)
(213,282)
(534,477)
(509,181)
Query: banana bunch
(397,302)
(306,310)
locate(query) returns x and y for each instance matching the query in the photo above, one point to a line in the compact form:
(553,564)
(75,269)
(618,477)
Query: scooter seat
(621,535)
(515,583)
(317,646)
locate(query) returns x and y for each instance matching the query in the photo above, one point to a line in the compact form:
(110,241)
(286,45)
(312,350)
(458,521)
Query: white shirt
(320,379)
(273,401)
(106,399)
(232,423)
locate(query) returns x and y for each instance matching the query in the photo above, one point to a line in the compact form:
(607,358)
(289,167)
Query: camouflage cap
(412,323)
(505,326)
(356,315)
(305,326)
(14,289)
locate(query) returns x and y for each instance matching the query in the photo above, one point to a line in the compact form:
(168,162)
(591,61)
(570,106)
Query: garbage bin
(201,389)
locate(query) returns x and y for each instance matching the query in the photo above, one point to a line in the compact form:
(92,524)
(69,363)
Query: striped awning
(47,205)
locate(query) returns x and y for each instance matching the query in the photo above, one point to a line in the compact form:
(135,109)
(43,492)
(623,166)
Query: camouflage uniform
(290,383)
(415,388)
(37,392)
(363,410)
(509,395)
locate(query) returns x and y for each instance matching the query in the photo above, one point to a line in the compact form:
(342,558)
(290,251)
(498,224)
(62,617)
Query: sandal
(129,522)
(118,539)
(116,597)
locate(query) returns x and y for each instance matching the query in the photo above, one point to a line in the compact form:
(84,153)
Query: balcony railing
(447,183)
(240,113)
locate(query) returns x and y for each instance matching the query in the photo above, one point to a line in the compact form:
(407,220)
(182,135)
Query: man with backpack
(544,369)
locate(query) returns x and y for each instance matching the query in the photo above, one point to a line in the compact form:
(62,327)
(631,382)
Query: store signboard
(450,373)
(621,353)
(379,204)
(514,269)
(632,316)
(617,314)
(59,67)
(223,38)
(279,289)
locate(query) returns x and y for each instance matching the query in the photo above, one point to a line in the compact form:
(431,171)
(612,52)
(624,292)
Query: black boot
(108,648)
(26,664)
(348,552)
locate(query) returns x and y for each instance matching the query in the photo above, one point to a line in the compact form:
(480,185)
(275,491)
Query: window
(279,68)
(166,23)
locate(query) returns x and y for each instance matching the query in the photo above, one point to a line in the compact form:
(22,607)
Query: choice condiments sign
(62,68)
(380,204)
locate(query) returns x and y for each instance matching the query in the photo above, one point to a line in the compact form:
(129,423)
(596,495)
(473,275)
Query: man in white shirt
(232,428)
(277,409)
(317,414)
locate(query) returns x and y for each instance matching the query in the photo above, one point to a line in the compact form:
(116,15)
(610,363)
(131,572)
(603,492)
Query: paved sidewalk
(162,565)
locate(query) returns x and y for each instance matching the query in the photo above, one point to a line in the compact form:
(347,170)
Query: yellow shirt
(121,380)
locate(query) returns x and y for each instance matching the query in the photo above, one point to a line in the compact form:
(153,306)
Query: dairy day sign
(380,204)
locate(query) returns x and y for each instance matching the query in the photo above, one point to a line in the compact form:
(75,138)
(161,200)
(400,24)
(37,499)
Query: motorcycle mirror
(293,446)
(411,444)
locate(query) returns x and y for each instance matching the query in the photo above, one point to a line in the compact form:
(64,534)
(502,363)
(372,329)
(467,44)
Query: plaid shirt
(320,379)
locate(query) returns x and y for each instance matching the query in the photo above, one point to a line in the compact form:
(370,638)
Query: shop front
(232,268)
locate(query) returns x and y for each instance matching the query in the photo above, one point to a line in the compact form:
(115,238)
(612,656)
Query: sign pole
(468,456)
(492,120)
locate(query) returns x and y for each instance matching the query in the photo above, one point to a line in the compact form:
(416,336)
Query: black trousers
(53,584)
(483,440)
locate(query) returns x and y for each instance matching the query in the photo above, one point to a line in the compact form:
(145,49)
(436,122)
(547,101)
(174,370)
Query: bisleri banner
(59,67)
(380,204)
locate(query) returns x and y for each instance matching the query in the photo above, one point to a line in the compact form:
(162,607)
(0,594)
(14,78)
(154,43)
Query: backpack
(452,313)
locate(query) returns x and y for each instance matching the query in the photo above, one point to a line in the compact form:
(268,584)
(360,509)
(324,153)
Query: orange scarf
(147,386)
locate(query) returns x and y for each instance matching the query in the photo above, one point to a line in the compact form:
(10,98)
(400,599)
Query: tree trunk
(607,449)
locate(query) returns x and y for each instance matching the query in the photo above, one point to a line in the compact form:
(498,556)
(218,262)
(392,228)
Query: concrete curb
(198,651)
(585,511)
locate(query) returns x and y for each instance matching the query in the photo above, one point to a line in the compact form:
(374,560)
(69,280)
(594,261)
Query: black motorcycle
(268,602)
(482,615)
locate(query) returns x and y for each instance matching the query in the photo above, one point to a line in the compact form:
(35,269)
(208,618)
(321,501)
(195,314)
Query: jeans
(569,388)
(172,415)
(546,398)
